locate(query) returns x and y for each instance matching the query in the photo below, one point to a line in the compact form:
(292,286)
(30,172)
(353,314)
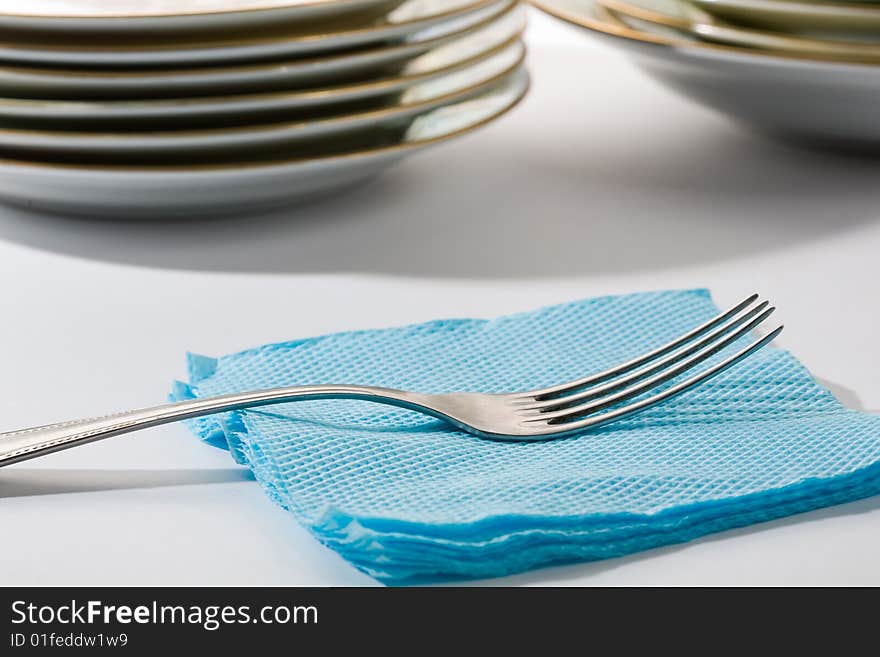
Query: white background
(601,182)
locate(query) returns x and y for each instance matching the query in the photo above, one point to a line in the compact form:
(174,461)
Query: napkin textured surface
(405,497)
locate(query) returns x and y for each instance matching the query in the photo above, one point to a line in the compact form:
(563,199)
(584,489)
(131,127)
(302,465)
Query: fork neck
(29,443)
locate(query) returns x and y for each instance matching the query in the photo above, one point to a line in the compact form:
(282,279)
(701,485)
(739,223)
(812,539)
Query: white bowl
(816,102)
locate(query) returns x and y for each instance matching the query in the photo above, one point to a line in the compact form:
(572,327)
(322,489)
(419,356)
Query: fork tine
(594,392)
(600,377)
(604,418)
(652,382)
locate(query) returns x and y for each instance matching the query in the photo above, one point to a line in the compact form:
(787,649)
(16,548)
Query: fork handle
(30,443)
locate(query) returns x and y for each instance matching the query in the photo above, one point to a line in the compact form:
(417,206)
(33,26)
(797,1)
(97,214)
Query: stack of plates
(804,70)
(120,107)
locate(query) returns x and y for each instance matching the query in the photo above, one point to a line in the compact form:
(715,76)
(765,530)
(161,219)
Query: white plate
(230,143)
(820,103)
(408,19)
(123,192)
(281,76)
(161,17)
(223,110)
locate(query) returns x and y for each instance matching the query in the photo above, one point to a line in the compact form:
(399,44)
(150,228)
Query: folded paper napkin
(405,497)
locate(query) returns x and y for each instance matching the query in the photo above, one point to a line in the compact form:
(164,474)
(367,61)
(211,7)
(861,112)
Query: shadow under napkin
(405,498)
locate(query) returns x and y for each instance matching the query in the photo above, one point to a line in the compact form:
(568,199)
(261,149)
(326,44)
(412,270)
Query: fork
(560,410)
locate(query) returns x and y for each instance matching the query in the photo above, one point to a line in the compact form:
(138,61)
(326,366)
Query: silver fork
(560,410)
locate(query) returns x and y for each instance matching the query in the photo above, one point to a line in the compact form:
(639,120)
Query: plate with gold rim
(309,81)
(402,22)
(220,111)
(276,178)
(215,111)
(233,142)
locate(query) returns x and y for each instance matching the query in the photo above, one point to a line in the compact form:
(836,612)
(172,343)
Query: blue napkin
(405,497)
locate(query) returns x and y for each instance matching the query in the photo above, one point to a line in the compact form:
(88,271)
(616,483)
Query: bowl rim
(814,7)
(626,33)
(847,51)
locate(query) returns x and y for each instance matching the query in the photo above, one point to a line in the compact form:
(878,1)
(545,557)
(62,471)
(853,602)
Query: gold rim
(146,169)
(621,30)
(835,51)
(816,8)
(374,86)
(645,14)
(377,114)
(470,7)
(291,4)
(504,13)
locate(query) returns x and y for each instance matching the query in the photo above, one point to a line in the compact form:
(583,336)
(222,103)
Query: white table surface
(601,182)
